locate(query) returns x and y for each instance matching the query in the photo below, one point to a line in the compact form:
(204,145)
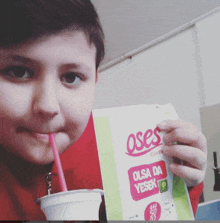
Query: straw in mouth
(58,162)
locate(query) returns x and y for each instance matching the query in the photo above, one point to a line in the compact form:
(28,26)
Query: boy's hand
(191,148)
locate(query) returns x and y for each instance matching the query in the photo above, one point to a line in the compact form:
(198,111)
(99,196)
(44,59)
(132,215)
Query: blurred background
(165,51)
(129,24)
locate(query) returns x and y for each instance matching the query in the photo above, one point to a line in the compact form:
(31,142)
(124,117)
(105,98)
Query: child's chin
(43,161)
(37,161)
(40,160)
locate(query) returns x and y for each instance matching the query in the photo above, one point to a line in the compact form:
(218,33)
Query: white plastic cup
(72,205)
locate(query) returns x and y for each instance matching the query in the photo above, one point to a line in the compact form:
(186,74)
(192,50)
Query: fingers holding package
(183,141)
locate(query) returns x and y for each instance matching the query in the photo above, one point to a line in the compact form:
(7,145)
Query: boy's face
(46,86)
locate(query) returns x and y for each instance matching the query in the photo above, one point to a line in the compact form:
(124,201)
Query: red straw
(57,162)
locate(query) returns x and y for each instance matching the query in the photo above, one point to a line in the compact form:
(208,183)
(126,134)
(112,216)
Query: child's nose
(46,102)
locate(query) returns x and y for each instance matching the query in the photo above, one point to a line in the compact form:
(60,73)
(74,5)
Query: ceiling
(129,24)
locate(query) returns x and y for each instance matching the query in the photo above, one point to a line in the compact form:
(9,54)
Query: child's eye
(18,72)
(71,78)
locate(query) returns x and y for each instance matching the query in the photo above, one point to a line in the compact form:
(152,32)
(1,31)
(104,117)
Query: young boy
(50,51)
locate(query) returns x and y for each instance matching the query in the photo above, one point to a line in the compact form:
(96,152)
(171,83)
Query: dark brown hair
(25,20)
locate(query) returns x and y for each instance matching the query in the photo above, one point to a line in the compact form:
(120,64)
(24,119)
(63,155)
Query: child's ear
(97,76)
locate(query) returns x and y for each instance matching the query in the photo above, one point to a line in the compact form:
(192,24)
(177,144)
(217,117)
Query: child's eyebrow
(79,65)
(21,59)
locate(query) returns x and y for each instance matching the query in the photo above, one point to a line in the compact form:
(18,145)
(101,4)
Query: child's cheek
(77,109)
(15,100)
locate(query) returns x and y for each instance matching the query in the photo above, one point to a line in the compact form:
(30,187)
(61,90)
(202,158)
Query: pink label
(144,179)
(152,212)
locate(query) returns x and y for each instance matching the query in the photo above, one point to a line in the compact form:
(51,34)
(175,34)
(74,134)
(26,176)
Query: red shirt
(22,182)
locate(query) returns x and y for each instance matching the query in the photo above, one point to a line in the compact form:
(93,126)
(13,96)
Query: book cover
(135,174)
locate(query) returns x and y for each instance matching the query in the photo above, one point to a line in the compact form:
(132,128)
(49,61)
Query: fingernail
(172,166)
(162,125)
(165,148)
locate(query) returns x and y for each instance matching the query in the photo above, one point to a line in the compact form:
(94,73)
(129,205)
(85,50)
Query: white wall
(183,70)
(128,24)
(208,35)
(165,73)
(208,32)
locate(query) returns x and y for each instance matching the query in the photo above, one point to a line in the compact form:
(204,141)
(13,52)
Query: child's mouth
(43,137)
(40,137)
